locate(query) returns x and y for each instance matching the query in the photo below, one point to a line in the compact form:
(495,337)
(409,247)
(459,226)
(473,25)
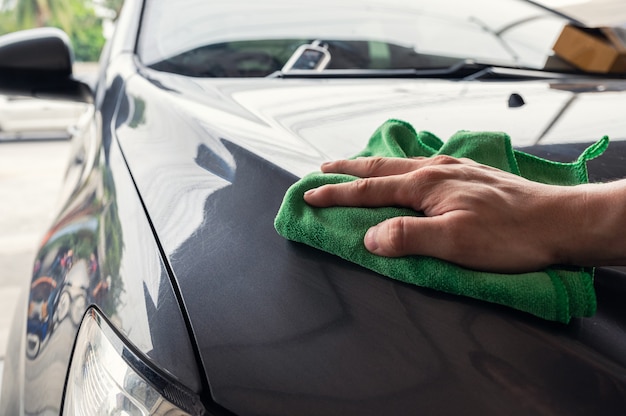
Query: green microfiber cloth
(556,293)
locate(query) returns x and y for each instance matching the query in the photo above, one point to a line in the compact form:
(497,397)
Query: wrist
(591,221)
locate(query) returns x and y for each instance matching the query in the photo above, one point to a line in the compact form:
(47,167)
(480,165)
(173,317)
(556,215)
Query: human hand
(476,216)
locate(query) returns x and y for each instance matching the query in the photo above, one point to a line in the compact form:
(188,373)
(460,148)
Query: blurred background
(34,134)
(34,139)
(87,22)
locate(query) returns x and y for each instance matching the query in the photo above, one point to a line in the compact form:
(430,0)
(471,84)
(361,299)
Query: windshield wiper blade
(460,70)
(513,73)
(464,70)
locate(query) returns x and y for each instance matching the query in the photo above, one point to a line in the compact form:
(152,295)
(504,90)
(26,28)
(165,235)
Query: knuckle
(362,186)
(397,235)
(426,174)
(444,160)
(466,161)
(372,165)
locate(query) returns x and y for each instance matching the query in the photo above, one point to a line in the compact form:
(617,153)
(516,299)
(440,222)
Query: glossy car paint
(173,188)
(279,311)
(91,222)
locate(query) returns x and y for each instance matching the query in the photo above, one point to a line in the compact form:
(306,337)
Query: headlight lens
(107,378)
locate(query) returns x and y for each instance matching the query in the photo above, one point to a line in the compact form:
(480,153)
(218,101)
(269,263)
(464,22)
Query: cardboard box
(601,50)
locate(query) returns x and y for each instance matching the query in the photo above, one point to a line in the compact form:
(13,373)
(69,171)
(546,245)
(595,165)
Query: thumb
(402,236)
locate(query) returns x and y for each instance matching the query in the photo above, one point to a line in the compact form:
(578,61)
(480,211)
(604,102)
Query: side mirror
(38,63)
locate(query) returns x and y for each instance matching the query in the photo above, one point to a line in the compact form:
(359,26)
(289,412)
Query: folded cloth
(556,293)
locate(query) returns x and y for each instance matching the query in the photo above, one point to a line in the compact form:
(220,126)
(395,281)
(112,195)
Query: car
(162,286)
(22,116)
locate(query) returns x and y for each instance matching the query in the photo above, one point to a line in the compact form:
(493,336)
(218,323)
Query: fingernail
(371,239)
(310,192)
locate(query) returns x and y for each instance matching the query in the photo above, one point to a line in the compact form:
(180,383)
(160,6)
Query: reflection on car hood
(283,328)
(333,119)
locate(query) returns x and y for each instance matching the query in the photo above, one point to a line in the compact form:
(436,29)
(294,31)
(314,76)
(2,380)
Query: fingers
(367,167)
(368,192)
(442,237)
(386,181)
(459,199)
(402,236)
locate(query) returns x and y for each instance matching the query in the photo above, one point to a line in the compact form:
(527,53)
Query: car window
(242,38)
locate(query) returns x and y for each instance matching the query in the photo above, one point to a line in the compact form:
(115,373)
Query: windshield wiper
(466,70)
(460,70)
(505,72)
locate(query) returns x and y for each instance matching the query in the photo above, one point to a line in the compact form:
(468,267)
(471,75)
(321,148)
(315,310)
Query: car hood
(282,328)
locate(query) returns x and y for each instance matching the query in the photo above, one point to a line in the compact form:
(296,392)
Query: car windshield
(250,38)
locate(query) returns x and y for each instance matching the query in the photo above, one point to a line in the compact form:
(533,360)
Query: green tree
(39,13)
(85,30)
(76,17)
(7,23)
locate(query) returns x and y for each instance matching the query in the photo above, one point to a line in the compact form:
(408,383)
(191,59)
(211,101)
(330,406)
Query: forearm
(594,228)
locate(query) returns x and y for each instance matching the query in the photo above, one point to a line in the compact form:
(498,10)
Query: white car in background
(22,117)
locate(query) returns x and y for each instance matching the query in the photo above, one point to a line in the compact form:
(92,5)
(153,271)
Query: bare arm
(481,217)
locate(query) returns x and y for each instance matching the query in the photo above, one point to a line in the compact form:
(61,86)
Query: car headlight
(107,378)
